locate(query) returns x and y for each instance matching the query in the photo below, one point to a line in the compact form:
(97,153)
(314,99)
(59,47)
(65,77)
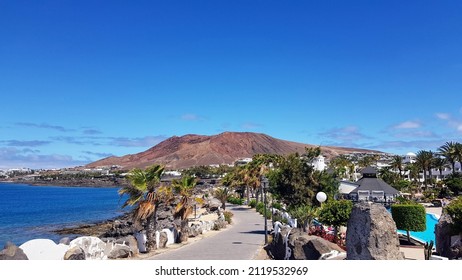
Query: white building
(345,188)
(173,173)
(242,161)
(409,158)
(319,163)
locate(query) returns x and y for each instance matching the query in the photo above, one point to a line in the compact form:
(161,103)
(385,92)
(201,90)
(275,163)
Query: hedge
(235,200)
(409,217)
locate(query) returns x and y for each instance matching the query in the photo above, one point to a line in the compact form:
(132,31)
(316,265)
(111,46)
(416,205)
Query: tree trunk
(151,231)
(305,226)
(184,233)
(430,174)
(248,194)
(425,178)
(408,237)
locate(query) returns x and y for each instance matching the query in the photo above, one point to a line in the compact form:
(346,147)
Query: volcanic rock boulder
(131,242)
(12,252)
(75,253)
(119,251)
(307,247)
(371,234)
(448,243)
(291,243)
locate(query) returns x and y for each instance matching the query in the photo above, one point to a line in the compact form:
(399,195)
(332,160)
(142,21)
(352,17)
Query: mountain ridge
(179,152)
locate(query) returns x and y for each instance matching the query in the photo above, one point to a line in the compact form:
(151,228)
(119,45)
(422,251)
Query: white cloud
(443,116)
(408,125)
(192,117)
(16,158)
(451,122)
(251,125)
(416,134)
(20,143)
(344,136)
(43,126)
(147,141)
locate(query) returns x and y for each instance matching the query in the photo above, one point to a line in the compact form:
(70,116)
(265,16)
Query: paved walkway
(241,241)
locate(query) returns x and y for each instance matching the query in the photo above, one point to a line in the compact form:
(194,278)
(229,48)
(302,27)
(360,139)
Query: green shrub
(304,215)
(277,205)
(253,203)
(409,217)
(259,206)
(268,213)
(279,218)
(235,200)
(262,212)
(336,212)
(454,209)
(403,200)
(228,216)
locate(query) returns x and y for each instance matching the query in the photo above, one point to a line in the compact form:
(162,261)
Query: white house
(242,161)
(319,163)
(409,158)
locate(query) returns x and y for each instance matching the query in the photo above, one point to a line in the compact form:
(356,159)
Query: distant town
(352,163)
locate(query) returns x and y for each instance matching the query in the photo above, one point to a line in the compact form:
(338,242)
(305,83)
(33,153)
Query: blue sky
(82,80)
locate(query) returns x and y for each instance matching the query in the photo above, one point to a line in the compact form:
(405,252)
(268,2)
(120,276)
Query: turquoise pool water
(427,235)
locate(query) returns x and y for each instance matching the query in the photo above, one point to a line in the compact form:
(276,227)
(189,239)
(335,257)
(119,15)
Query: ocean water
(30,212)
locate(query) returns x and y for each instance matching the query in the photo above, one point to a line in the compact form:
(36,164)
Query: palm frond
(145,210)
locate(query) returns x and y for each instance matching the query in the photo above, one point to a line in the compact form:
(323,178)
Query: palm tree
(388,176)
(424,161)
(440,163)
(366,161)
(352,171)
(397,164)
(449,151)
(258,167)
(305,215)
(184,188)
(146,194)
(341,165)
(459,154)
(413,169)
(222,194)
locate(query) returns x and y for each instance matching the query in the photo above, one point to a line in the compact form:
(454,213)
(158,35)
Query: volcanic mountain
(225,148)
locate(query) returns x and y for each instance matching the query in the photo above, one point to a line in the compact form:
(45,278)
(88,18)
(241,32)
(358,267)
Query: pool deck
(417,253)
(434,210)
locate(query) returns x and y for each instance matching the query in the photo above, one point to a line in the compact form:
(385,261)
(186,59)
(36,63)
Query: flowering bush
(329,236)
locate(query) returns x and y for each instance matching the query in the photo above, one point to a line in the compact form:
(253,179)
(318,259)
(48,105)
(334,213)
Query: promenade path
(240,241)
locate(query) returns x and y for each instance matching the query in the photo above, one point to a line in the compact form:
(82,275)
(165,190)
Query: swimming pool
(429,233)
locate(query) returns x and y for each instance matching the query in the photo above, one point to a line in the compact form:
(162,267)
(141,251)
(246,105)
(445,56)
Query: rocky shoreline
(100,229)
(82,182)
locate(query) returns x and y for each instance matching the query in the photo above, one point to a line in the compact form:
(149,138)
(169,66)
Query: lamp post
(264,186)
(321,197)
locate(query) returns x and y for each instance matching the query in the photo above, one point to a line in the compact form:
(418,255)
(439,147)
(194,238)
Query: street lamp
(321,197)
(264,186)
